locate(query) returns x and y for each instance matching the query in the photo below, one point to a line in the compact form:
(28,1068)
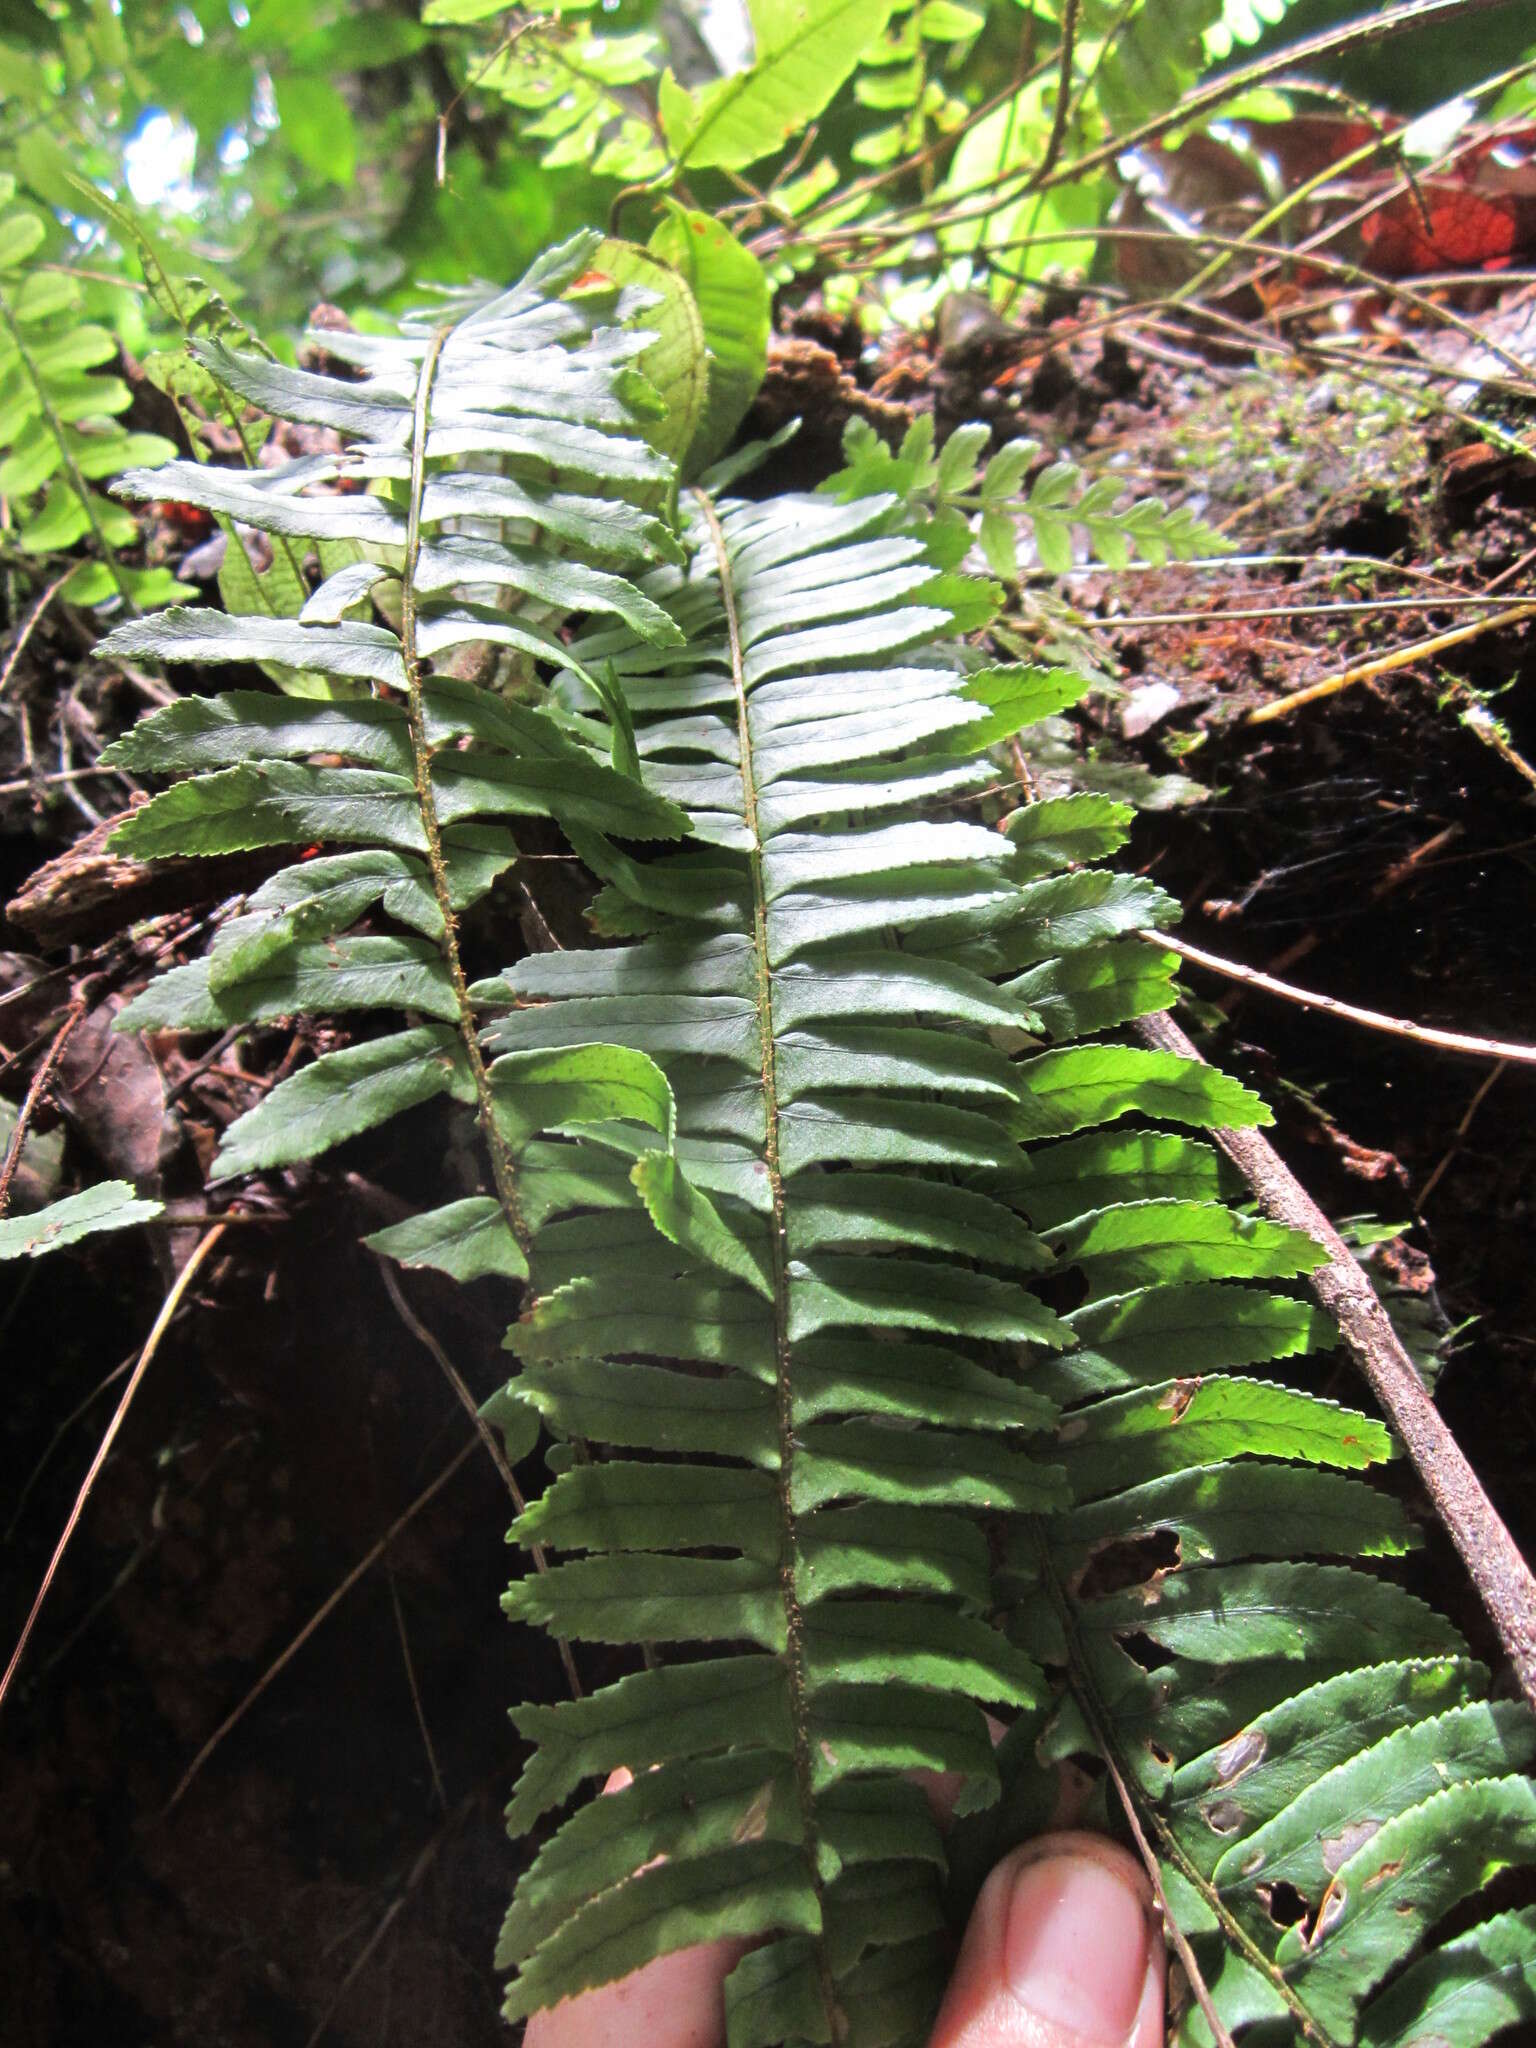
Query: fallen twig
(29,625)
(1482,724)
(163,1321)
(1384,664)
(1489,1081)
(1374,1020)
(360,1570)
(33,1097)
(415,1690)
(487,1435)
(1501,1575)
(1401,871)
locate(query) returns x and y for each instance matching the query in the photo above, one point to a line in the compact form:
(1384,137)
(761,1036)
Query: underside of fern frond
(895,1338)
(491,483)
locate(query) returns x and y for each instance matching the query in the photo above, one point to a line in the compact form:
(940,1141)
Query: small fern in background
(965,492)
(893,1337)
(58,433)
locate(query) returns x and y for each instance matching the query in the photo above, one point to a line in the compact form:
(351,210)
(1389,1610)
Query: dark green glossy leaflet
(860,1192)
(846,1317)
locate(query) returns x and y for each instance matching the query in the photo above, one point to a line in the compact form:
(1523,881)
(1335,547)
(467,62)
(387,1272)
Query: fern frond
(784,1168)
(828,981)
(488,479)
(987,499)
(894,1114)
(58,431)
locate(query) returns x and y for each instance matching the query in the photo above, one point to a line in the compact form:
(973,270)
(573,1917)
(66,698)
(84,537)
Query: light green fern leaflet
(58,430)
(492,482)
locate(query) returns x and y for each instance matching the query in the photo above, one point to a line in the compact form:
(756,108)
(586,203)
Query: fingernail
(1076,1947)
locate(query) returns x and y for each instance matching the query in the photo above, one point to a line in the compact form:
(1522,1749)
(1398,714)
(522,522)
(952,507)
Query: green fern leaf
(822,1174)
(839,1313)
(110,1205)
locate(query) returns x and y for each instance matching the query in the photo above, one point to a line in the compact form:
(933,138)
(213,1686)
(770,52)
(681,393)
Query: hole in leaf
(1132,1562)
(1284,1904)
(1142,1650)
(1063,1289)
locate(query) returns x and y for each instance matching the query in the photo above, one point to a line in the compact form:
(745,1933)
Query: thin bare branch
(1385,664)
(34,1095)
(162,1323)
(1501,1575)
(1373,1020)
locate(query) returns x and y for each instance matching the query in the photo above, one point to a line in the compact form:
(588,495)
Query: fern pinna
(894,1340)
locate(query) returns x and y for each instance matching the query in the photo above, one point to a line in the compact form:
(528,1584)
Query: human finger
(677,2001)
(1063,1950)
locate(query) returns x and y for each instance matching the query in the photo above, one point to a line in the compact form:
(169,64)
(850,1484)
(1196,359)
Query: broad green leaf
(804,51)
(682,1810)
(750,1890)
(1296,1613)
(649,1718)
(342,1094)
(1065,1090)
(655,1599)
(688,1217)
(1204,1325)
(1195,1422)
(731,293)
(1226,1511)
(633,1506)
(1143,1242)
(308,977)
(582,1084)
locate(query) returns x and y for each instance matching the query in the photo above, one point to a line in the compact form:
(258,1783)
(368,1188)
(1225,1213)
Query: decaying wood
(1501,1575)
(89,893)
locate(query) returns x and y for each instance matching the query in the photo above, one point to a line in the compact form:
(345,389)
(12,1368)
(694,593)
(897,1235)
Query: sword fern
(892,1330)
